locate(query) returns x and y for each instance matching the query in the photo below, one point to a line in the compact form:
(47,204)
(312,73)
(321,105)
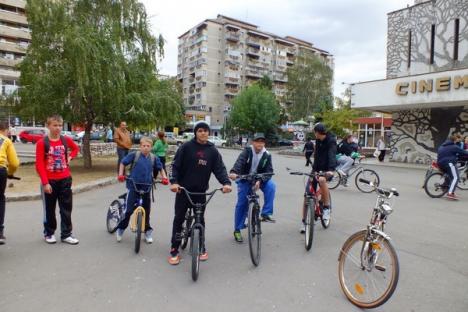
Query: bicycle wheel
(185,233)
(463,182)
(309,224)
(113,216)
(255,234)
(326,223)
(369,175)
(196,245)
(434,186)
(368,271)
(335,180)
(139,220)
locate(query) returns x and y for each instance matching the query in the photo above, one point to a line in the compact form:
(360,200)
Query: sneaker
(326,214)
(50,239)
(204,256)
(70,240)
(2,238)
(302,228)
(148,238)
(119,234)
(174,258)
(452,196)
(238,236)
(342,173)
(267,218)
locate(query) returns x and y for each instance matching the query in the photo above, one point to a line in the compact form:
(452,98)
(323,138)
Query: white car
(217,141)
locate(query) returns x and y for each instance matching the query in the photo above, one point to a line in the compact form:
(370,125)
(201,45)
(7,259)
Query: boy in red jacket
(53,154)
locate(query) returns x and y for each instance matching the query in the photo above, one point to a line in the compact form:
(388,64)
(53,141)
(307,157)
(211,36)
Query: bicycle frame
(139,206)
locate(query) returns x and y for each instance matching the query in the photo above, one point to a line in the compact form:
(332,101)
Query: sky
(354,31)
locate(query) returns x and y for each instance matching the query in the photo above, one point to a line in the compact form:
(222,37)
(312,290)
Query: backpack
(47,146)
(137,157)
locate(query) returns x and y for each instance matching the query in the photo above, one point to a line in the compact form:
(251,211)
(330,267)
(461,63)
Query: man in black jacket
(308,150)
(253,159)
(191,168)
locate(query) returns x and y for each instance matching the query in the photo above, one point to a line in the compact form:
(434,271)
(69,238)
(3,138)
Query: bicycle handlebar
(310,175)
(209,194)
(255,176)
(383,191)
(13,178)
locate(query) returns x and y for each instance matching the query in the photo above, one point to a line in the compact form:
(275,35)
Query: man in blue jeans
(253,159)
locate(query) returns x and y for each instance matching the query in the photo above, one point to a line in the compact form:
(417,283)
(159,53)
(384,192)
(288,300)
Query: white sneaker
(50,239)
(118,235)
(342,173)
(70,240)
(302,228)
(326,214)
(148,238)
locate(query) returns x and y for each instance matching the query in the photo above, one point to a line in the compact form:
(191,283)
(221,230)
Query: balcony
(281,78)
(8,62)
(231,91)
(231,80)
(253,42)
(232,36)
(12,47)
(253,73)
(14,32)
(253,52)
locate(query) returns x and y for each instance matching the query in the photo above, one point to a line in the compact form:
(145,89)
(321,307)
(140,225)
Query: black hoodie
(194,163)
(325,154)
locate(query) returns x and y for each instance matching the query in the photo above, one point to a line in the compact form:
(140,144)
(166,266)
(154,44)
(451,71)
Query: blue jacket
(449,152)
(142,172)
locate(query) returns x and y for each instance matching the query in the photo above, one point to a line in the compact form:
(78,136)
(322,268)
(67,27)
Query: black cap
(202,125)
(259,136)
(320,128)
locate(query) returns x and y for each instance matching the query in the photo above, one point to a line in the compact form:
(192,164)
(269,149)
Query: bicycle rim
(373,285)
(433,186)
(139,220)
(335,181)
(309,226)
(255,234)
(196,250)
(463,182)
(369,175)
(113,216)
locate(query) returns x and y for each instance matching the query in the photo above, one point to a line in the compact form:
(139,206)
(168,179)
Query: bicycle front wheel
(463,182)
(113,216)
(185,233)
(309,224)
(434,186)
(196,245)
(139,220)
(335,180)
(368,271)
(369,175)
(255,234)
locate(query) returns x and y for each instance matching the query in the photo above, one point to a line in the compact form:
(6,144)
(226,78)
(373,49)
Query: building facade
(14,40)
(426,89)
(219,57)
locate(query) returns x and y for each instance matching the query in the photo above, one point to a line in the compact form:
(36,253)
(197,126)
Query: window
(456,39)
(431,59)
(409,48)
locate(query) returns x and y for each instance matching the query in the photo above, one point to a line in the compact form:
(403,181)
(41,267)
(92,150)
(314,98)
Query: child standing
(52,166)
(141,176)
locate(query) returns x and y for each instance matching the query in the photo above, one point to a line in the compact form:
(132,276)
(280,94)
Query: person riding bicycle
(447,156)
(192,166)
(141,176)
(324,161)
(343,157)
(253,159)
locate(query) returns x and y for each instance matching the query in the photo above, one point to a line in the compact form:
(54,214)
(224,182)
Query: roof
(387,121)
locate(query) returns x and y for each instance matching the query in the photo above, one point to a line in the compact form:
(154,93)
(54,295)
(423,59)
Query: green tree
(266,83)
(255,109)
(93,61)
(309,86)
(340,121)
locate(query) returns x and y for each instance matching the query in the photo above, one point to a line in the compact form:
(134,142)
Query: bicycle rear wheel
(369,175)
(185,233)
(309,224)
(196,246)
(368,271)
(335,180)
(139,220)
(113,216)
(434,186)
(255,233)
(463,182)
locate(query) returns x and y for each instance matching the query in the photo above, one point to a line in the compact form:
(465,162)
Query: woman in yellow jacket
(8,164)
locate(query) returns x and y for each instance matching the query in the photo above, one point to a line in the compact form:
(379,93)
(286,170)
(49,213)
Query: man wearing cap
(253,159)
(193,164)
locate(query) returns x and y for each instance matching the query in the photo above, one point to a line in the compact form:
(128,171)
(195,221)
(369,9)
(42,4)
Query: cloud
(353,31)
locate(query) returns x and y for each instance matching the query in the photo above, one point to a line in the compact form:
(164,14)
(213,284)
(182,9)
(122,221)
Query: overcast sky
(354,31)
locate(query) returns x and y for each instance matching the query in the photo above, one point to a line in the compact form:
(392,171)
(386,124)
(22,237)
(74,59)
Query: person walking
(13,134)
(308,150)
(160,149)
(381,147)
(109,135)
(123,141)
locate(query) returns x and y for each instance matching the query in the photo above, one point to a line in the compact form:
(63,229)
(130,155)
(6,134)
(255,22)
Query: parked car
(136,136)
(285,142)
(32,135)
(95,136)
(184,138)
(217,141)
(68,134)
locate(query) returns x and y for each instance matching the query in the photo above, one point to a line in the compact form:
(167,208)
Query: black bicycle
(254,222)
(193,228)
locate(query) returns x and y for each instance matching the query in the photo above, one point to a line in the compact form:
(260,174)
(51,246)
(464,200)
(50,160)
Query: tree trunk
(86,150)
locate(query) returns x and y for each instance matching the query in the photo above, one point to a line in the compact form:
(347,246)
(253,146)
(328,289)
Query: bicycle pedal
(380,268)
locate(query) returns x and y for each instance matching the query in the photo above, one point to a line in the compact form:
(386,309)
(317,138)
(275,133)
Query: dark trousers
(121,153)
(307,156)
(181,206)
(3,182)
(61,192)
(131,203)
(163,162)
(382,155)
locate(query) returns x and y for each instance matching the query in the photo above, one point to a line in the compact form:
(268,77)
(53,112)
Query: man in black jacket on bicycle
(191,168)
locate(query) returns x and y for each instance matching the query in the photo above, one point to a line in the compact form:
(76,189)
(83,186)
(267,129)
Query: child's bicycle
(115,212)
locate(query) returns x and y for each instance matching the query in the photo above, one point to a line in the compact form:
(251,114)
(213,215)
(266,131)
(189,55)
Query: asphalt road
(102,275)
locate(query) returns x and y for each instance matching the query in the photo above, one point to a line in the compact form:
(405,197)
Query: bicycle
(254,223)
(362,173)
(368,267)
(436,181)
(313,206)
(193,228)
(115,213)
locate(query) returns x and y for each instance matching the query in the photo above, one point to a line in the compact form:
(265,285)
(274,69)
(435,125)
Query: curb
(76,190)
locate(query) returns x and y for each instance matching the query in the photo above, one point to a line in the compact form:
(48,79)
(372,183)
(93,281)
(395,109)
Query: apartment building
(218,57)
(14,40)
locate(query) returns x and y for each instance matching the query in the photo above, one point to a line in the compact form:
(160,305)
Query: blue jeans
(121,153)
(242,208)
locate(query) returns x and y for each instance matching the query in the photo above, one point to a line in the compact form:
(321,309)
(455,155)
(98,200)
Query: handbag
(376,153)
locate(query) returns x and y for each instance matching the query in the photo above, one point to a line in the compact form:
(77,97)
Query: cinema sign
(441,84)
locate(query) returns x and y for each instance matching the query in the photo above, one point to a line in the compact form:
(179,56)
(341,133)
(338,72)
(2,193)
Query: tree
(255,110)
(266,83)
(93,61)
(309,86)
(340,121)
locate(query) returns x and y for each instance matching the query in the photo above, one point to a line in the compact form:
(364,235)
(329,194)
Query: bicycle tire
(255,234)
(361,286)
(309,224)
(326,224)
(113,216)
(196,246)
(139,220)
(186,232)
(335,181)
(463,181)
(432,185)
(369,175)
